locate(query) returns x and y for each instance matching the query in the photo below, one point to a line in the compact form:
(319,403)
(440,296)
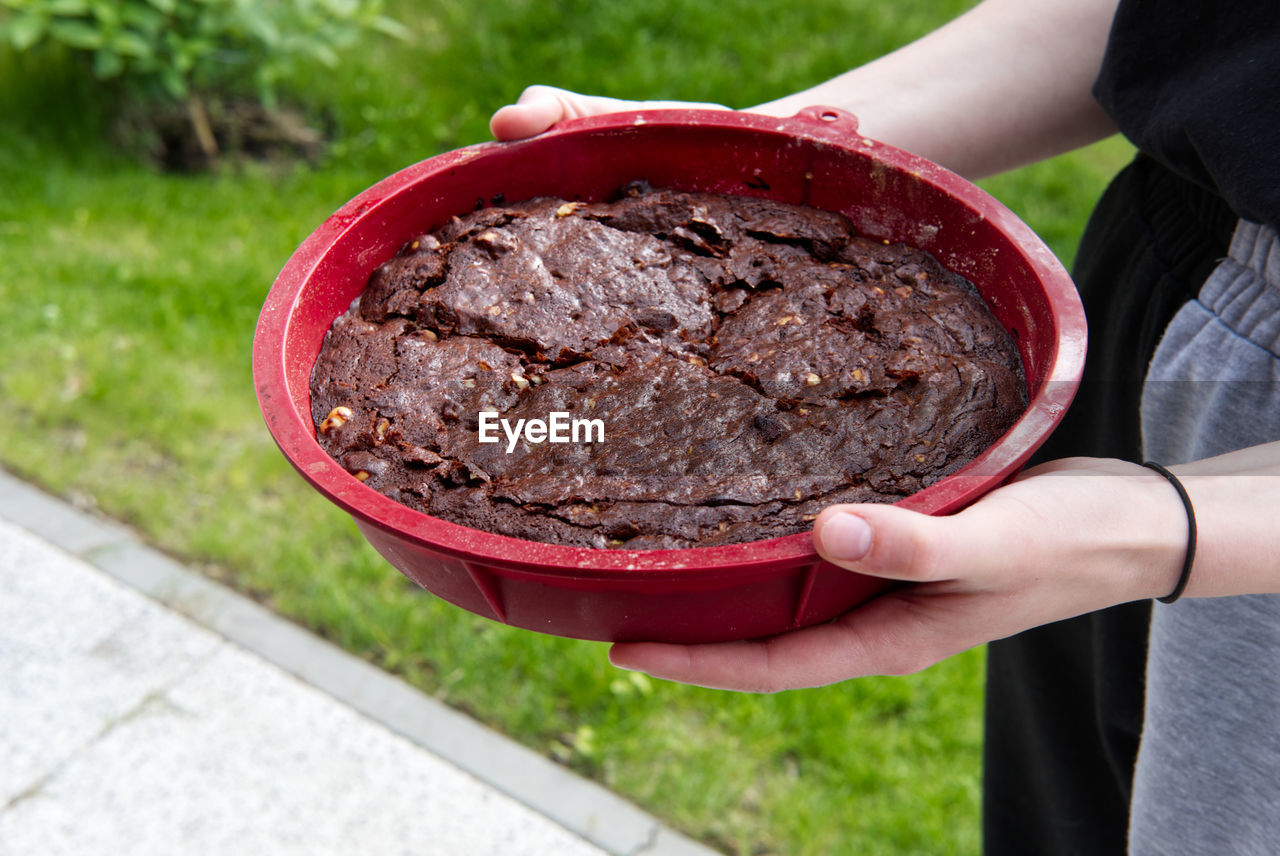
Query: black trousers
(1064,701)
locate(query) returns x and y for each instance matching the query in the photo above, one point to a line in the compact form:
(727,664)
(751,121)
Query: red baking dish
(704,594)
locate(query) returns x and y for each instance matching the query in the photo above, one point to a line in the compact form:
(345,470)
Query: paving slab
(147,709)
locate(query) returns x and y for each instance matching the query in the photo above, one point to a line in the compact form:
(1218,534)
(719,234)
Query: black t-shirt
(1196,85)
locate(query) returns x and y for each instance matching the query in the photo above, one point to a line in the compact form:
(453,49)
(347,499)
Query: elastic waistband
(1245,291)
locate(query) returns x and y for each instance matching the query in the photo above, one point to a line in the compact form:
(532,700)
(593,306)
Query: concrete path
(145,709)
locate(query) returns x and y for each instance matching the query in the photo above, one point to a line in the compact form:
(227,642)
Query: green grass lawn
(130,299)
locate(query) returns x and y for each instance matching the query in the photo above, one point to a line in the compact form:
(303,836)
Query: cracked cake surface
(749,363)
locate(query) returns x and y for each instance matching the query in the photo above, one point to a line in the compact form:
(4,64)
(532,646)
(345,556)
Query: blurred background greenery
(130,295)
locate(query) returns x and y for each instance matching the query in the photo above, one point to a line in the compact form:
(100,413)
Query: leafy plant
(186,50)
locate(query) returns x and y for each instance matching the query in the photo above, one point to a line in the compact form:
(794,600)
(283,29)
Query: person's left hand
(540,107)
(1066,538)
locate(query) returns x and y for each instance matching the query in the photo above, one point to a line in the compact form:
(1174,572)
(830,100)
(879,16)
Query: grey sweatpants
(1208,773)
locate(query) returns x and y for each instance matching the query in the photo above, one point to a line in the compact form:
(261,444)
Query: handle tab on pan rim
(830,122)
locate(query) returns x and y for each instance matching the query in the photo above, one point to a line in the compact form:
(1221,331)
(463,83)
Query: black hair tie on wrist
(1191,532)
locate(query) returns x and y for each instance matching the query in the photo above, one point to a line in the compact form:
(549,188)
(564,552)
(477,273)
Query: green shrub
(188,50)
(182,46)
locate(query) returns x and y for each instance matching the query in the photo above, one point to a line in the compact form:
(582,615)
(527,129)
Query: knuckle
(769,686)
(772,675)
(922,556)
(896,660)
(909,662)
(533,91)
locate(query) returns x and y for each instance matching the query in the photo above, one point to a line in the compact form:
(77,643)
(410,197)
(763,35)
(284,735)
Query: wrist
(1235,497)
(1148,533)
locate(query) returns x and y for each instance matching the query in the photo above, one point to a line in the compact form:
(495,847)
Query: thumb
(890,542)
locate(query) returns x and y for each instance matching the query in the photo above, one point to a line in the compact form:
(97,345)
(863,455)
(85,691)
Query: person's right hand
(540,107)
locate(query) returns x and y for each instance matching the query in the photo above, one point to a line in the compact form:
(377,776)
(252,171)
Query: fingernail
(846,538)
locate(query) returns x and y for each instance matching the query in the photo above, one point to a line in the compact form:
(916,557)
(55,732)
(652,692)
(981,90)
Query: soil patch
(200,134)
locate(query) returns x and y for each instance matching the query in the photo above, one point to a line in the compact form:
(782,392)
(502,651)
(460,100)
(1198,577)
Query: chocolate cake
(691,369)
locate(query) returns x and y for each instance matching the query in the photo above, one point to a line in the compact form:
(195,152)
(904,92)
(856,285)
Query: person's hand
(1066,538)
(540,107)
